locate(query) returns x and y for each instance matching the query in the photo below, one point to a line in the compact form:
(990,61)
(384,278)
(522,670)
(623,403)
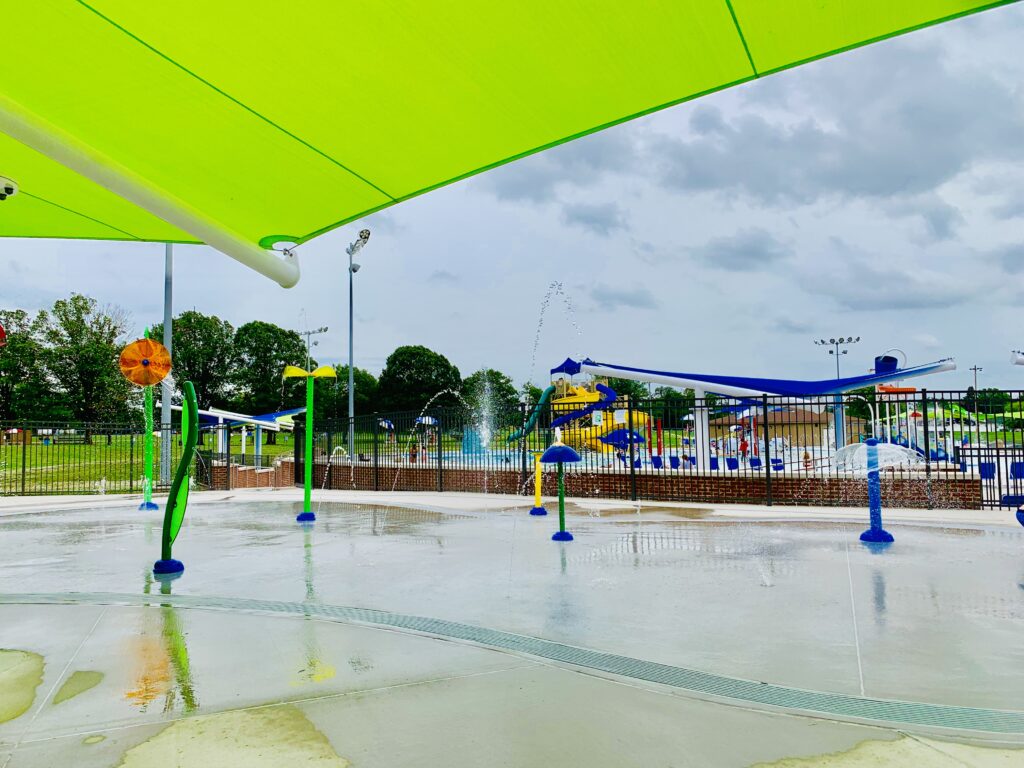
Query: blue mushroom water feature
(561,454)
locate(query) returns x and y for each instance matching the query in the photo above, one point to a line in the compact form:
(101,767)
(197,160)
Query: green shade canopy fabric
(247,124)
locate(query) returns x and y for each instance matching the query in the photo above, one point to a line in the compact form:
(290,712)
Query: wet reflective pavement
(936,618)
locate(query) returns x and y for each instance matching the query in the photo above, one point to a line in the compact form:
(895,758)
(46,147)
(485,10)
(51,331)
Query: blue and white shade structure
(876,534)
(560,454)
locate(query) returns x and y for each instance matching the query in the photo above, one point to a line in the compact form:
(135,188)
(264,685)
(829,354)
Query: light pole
(309,335)
(352,250)
(837,345)
(838,415)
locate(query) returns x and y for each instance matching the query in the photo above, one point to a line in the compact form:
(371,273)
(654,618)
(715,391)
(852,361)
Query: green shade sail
(245,124)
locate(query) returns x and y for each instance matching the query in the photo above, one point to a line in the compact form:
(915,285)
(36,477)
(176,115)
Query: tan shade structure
(251,125)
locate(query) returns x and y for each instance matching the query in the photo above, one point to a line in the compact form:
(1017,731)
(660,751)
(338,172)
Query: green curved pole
(307,487)
(178,499)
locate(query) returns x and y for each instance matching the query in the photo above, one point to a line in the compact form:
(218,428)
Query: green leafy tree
(25,393)
(504,400)
(672,406)
(992,400)
(857,408)
(82,344)
(414,374)
(530,393)
(262,350)
(636,391)
(332,396)
(203,353)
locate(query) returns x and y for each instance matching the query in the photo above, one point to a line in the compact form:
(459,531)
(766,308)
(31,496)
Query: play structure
(746,390)
(588,415)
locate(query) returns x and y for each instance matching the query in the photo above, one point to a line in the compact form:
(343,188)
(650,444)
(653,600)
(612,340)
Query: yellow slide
(585,433)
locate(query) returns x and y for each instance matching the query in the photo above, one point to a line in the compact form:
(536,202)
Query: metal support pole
(376,453)
(351,369)
(632,452)
(767,452)
(165,387)
(538,486)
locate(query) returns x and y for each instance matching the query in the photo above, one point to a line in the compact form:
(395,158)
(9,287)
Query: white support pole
(257,447)
(701,430)
(245,434)
(165,387)
(59,145)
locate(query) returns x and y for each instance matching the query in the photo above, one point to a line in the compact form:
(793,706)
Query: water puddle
(21,672)
(256,738)
(79,682)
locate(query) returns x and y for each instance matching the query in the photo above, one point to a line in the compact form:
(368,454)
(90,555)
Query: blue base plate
(162,567)
(538,511)
(562,536)
(876,536)
(149,506)
(305,517)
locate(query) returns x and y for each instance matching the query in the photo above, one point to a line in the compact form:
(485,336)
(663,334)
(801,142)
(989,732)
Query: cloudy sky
(879,193)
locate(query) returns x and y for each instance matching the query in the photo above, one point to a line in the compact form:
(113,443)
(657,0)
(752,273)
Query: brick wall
(917,492)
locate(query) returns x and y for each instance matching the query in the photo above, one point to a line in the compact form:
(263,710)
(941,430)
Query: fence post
(522,445)
(632,450)
(927,448)
(131,463)
(299,435)
(440,453)
(376,453)
(24,457)
(767,460)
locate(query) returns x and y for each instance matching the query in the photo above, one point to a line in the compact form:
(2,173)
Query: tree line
(60,365)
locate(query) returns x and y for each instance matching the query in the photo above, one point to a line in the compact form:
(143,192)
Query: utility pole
(976,368)
(309,335)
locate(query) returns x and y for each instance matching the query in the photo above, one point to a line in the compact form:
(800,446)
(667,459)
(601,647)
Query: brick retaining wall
(942,492)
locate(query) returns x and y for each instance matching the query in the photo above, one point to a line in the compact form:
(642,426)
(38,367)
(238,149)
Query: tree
(494,386)
(83,342)
(203,353)
(262,350)
(530,393)
(413,375)
(627,388)
(332,398)
(25,393)
(857,408)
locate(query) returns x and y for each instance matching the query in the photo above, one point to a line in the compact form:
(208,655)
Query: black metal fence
(689,449)
(767,449)
(42,458)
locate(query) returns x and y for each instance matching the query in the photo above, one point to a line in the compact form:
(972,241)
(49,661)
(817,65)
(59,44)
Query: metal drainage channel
(834,705)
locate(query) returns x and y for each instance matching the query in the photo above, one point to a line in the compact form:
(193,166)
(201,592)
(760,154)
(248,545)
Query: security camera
(355,268)
(7,188)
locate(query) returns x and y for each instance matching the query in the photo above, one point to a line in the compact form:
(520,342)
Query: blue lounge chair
(657,462)
(713,463)
(673,462)
(778,465)
(987,470)
(1017,470)
(732,463)
(755,462)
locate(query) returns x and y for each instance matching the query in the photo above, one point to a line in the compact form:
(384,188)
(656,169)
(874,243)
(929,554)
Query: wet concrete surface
(937,618)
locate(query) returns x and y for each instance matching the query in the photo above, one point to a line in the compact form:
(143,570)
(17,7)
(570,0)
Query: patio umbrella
(621,438)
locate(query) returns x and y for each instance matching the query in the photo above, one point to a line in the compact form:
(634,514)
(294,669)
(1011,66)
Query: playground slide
(606,402)
(532,421)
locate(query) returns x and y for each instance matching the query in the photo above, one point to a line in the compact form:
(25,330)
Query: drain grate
(833,705)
